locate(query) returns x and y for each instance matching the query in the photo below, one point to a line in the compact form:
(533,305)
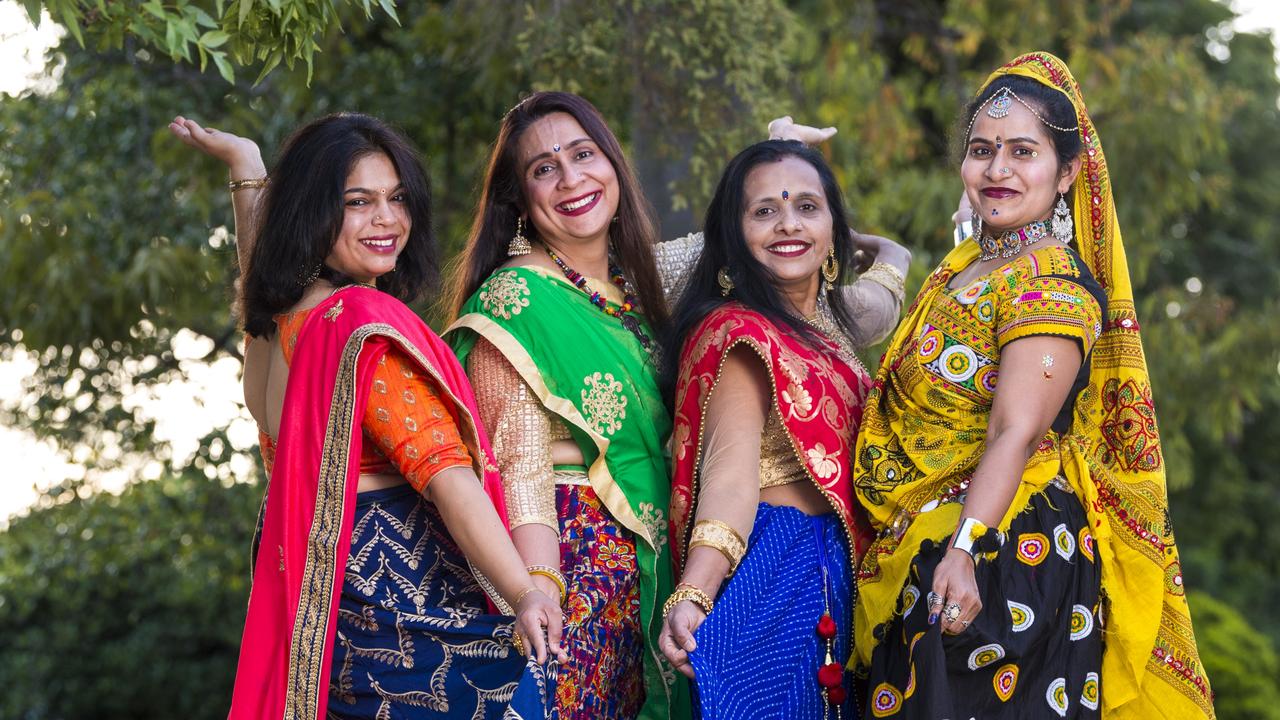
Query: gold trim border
(607,489)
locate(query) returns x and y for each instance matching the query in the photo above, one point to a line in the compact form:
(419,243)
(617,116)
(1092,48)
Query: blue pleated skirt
(415,638)
(758,651)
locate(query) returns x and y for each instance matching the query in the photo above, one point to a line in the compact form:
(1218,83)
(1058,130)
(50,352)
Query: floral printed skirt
(1033,651)
(415,638)
(604,677)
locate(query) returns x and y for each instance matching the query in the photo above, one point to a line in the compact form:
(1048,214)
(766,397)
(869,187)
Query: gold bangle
(520,597)
(888,277)
(721,536)
(556,577)
(247,184)
(690,592)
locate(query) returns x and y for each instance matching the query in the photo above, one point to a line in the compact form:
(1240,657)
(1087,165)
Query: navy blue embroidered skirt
(415,638)
(758,651)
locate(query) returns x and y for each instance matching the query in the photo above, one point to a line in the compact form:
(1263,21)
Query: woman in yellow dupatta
(1020,525)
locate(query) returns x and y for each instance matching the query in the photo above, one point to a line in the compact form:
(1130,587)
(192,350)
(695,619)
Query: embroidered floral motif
(655,521)
(799,400)
(1130,426)
(332,313)
(504,295)
(823,463)
(604,403)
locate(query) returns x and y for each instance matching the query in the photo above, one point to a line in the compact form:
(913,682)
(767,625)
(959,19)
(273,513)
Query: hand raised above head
(241,155)
(784,128)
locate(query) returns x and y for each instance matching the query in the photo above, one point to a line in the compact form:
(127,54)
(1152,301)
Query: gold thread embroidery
(505,295)
(604,403)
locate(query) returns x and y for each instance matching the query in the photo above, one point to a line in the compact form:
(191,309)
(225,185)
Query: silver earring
(977,226)
(1063,227)
(519,244)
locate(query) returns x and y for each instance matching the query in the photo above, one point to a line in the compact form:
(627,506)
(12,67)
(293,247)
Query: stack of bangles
(555,576)
(721,536)
(692,593)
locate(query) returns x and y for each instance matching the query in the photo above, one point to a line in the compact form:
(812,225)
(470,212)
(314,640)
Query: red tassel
(835,695)
(826,627)
(830,675)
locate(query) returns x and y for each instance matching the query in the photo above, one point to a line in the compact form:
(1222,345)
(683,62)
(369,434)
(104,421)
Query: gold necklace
(825,324)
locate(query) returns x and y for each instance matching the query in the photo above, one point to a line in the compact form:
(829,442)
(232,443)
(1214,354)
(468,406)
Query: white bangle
(967,534)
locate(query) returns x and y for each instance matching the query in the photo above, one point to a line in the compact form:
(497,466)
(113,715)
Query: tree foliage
(228,32)
(113,235)
(126,606)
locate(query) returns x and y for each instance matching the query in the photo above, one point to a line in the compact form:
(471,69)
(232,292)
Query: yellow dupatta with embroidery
(915,449)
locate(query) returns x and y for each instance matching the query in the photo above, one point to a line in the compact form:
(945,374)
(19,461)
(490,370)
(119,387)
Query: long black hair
(502,201)
(300,217)
(754,285)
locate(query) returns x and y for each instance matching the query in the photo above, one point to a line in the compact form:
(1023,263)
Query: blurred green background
(131,604)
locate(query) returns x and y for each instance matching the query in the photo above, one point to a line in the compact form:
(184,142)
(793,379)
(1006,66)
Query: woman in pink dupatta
(383,536)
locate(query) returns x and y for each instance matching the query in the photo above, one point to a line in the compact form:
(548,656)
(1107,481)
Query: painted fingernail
(933,618)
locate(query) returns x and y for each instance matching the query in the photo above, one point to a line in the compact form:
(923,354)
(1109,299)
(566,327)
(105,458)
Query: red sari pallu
(285,652)
(758,653)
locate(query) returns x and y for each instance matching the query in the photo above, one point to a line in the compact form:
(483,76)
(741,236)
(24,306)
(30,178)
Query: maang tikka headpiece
(998,106)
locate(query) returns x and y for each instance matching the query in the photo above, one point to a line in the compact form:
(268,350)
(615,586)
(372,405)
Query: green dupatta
(591,372)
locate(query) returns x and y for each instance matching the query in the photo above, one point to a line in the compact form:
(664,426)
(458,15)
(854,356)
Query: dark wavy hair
(754,285)
(1051,103)
(300,217)
(502,201)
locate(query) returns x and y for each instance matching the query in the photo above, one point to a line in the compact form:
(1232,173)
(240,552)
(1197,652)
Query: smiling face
(1010,170)
(787,225)
(570,187)
(375,220)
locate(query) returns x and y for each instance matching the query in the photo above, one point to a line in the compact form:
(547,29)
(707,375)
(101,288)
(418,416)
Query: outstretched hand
(784,128)
(241,155)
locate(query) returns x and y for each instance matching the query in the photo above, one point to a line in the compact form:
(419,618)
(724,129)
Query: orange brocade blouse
(407,427)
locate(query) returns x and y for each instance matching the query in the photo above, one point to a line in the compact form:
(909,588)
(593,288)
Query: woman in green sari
(557,301)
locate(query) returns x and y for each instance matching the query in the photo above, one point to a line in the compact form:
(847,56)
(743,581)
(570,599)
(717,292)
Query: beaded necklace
(1011,242)
(625,312)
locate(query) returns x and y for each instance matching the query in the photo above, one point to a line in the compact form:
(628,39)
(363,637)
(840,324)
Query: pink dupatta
(305,537)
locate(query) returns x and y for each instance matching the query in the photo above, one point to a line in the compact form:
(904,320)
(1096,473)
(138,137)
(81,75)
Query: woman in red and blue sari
(383,549)
(768,396)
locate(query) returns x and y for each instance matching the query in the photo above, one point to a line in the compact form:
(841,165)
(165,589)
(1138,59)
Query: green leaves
(258,32)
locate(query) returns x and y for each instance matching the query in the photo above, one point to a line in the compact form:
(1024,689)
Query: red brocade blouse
(407,427)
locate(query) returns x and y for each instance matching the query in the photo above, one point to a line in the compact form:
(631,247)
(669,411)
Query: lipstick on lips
(382,244)
(789,248)
(999,193)
(580,205)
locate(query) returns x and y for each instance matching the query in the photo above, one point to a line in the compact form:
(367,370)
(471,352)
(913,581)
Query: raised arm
(244,162)
(875,299)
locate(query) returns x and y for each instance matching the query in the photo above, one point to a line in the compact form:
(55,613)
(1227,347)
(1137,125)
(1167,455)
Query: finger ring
(934,599)
(518,643)
(964,623)
(951,612)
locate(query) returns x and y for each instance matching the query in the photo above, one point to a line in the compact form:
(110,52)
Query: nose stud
(1005,171)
